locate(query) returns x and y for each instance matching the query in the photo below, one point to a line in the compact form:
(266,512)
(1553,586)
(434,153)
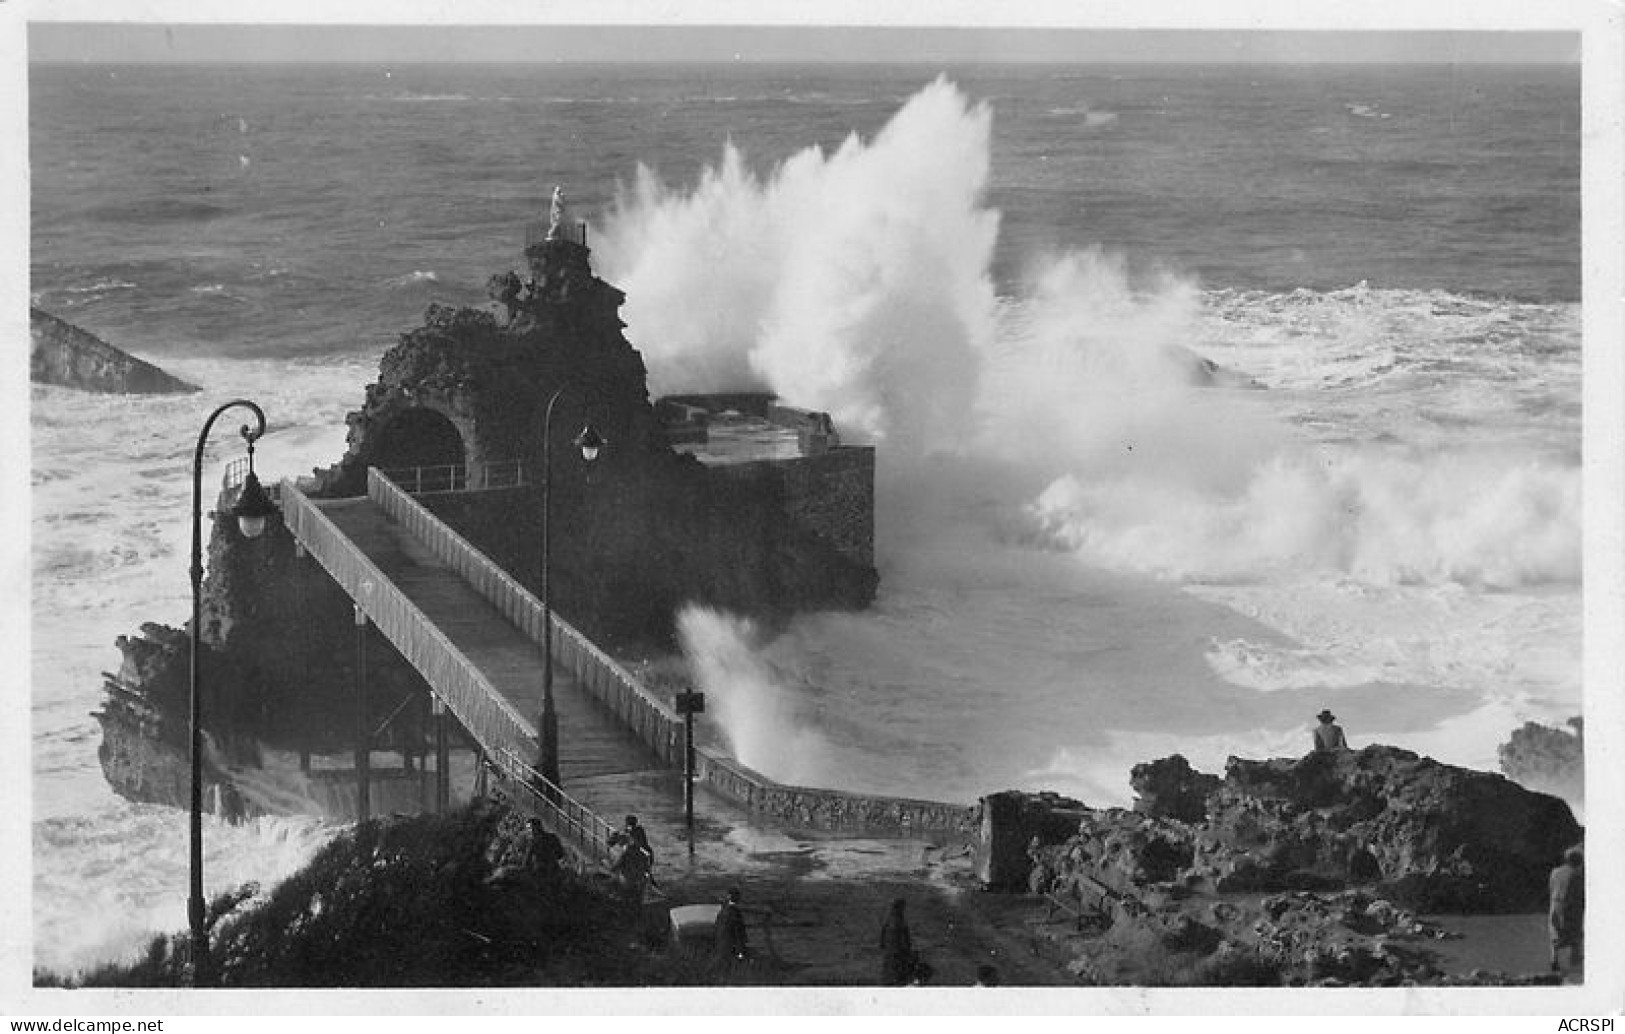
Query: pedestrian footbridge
(474,634)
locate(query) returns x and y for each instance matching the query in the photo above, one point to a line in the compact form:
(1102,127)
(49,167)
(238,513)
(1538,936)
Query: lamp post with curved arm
(251,511)
(589,442)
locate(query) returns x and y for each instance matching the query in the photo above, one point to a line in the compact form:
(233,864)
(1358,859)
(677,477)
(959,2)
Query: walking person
(1566,914)
(1329,735)
(897,961)
(635,864)
(730,938)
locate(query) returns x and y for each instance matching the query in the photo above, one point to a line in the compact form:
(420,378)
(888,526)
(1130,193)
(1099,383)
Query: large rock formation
(641,531)
(65,355)
(1349,847)
(634,536)
(1434,835)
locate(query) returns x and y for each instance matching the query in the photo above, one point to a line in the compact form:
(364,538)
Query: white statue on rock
(558,214)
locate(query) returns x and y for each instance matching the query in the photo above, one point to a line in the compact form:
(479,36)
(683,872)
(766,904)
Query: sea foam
(1072,419)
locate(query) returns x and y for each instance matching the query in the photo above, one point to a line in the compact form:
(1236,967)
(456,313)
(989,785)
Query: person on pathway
(730,937)
(1329,735)
(897,961)
(635,864)
(1568,906)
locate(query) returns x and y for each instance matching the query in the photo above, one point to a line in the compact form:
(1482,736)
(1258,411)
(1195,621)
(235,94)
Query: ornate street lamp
(251,511)
(590,443)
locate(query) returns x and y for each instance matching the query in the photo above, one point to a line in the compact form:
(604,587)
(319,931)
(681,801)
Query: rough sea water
(996,277)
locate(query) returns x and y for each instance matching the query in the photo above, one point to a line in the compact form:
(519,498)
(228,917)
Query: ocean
(997,275)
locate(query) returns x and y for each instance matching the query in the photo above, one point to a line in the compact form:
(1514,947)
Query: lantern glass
(253,507)
(590,443)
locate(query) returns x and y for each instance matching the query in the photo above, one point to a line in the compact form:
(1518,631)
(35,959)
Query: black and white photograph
(861,510)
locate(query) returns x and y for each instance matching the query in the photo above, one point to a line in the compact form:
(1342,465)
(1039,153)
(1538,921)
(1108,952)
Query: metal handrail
(236,472)
(565,816)
(483,711)
(456,477)
(653,720)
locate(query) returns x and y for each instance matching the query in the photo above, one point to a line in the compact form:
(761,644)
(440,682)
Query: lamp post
(253,507)
(689,704)
(589,442)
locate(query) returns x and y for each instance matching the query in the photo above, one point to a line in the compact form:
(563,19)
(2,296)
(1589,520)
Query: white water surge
(1088,558)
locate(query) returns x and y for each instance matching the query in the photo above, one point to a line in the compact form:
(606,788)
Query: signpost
(689,703)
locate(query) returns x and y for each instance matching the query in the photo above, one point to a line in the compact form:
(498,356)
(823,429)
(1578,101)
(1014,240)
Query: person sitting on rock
(1567,911)
(1329,735)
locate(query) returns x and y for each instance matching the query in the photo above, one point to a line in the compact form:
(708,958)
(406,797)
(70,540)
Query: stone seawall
(655,722)
(815,808)
(829,495)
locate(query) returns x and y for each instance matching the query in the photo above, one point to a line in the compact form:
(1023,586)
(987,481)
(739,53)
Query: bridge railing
(236,472)
(570,820)
(653,720)
(483,711)
(457,477)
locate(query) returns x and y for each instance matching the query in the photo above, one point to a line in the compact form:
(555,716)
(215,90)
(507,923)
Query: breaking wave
(1087,414)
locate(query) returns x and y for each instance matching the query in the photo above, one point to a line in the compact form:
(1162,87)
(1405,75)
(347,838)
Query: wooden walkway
(593,744)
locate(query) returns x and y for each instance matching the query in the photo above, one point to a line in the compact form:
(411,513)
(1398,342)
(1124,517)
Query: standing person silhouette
(1329,735)
(1568,907)
(730,941)
(635,864)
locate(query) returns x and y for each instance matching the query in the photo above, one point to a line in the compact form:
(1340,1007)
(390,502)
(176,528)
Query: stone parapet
(814,808)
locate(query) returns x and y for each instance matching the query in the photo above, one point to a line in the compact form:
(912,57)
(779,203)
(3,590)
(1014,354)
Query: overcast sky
(105,42)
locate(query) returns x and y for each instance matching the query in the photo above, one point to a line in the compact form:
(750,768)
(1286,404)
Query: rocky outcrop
(65,355)
(642,532)
(1347,847)
(645,529)
(1433,835)
(1171,788)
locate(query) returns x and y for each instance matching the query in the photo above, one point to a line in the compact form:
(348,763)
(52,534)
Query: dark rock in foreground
(65,355)
(1438,837)
(1311,870)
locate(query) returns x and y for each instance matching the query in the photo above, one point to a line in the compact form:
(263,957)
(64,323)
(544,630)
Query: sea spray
(108,881)
(1077,418)
(1483,520)
(749,701)
(854,282)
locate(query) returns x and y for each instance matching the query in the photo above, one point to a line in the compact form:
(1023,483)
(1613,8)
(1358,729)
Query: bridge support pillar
(442,757)
(420,736)
(363,742)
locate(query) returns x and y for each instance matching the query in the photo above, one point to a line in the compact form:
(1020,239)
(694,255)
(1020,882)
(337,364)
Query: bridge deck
(592,743)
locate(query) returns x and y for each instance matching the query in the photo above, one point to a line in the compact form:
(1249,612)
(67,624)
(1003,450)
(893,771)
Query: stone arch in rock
(418,436)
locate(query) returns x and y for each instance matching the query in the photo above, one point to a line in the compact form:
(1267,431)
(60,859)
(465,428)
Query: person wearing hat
(1328,734)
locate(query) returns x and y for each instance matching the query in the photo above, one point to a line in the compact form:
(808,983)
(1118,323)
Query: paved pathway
(592,742)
